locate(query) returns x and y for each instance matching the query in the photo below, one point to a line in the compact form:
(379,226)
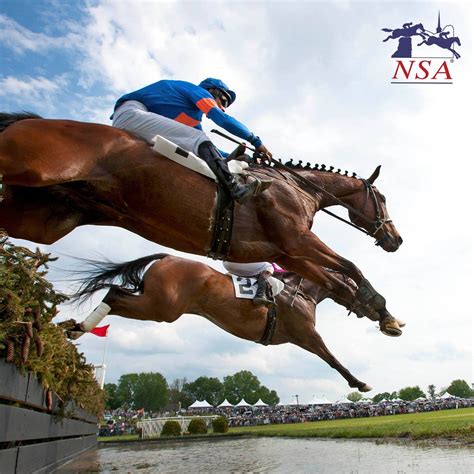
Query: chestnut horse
(61,174)
(172,286)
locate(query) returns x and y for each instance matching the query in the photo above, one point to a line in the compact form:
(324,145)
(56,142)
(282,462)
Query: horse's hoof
(365,388)
(390,327)
(73,335)
(400,323)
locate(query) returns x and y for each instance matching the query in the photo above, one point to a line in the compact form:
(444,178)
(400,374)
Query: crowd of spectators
(252,416)
(122,422)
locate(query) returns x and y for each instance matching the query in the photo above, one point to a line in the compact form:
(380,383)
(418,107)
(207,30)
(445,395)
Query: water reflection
(279,455)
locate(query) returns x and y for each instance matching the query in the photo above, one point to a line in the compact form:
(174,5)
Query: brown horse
(62,174)
(172,286)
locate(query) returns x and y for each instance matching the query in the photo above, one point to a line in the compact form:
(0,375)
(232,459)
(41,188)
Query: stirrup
(263,301)
(252,189)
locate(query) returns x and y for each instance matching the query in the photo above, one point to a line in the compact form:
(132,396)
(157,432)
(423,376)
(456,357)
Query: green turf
(445,423)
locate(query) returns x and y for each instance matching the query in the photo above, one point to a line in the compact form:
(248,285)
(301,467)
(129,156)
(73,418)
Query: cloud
(313,93)
(22,40)
(31,89)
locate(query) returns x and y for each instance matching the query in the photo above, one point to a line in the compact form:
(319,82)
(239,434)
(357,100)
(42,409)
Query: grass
(436,424)
(116,438)
(445,423)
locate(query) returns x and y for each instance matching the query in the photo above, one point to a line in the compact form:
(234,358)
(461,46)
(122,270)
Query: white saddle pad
(246,288)
(190,160)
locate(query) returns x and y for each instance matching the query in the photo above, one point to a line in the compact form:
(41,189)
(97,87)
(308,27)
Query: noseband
(379,220)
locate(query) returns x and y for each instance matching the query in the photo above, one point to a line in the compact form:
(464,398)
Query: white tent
(316,401)
(242,403)
(325,401)
(445,396)
(343,401)
(420,399)
(260,403)
(225,404)
(200,404)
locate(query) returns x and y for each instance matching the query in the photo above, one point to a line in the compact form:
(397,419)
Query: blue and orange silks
(185,102)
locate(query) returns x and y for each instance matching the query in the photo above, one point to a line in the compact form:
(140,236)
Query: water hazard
(279,455)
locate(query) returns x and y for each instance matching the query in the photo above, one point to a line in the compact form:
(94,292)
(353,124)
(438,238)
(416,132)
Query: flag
(100,331)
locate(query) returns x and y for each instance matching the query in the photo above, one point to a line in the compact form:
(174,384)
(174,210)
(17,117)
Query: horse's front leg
(309,339)
(309,247)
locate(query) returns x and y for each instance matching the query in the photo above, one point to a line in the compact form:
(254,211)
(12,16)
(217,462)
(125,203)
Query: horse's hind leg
(309,339)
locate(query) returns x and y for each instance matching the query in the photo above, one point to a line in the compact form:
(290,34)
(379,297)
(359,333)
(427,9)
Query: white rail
(152,427)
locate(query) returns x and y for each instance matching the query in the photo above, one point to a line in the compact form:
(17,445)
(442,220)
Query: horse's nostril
(400,240)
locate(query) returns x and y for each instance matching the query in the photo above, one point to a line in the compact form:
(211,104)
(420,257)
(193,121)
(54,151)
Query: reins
(378,222)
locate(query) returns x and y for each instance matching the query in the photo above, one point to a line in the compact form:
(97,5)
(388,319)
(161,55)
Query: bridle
(377,223)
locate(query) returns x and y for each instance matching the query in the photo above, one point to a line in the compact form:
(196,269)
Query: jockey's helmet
(211,83)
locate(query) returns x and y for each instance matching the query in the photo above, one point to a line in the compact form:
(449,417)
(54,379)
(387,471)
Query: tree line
(150,391)
(457,388)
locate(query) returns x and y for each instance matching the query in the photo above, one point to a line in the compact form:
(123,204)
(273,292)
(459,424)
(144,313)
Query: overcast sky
(313,80)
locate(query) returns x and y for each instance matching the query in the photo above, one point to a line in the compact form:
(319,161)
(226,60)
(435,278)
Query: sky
(313,81)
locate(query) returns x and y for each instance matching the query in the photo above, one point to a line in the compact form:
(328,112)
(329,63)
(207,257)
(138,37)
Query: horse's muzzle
(389,243)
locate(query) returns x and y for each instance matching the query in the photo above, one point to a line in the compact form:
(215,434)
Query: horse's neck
(341,186)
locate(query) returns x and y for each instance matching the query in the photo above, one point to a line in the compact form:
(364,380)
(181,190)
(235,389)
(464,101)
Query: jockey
(260,270)
(173,109)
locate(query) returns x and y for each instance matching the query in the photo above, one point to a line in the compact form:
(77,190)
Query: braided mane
(317,167)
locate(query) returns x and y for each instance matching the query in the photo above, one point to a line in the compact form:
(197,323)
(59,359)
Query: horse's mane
(7,119)
(308,167)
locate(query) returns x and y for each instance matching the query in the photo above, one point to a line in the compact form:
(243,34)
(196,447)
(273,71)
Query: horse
(172,286)
(61,174)
(407,31)
(442,42)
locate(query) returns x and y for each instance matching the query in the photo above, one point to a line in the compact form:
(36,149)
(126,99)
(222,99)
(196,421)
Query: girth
(267,337)
(223,222)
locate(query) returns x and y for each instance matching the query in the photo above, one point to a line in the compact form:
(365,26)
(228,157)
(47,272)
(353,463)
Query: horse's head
(373,216)
(418,26)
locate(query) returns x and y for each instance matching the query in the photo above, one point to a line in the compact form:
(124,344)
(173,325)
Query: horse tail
(7,119)
(388,30)
(100,275)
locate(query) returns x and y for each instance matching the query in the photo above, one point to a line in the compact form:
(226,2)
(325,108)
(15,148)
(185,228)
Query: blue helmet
(211,83)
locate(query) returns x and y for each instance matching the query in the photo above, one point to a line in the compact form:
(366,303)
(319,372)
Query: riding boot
(239,192)
(264,291)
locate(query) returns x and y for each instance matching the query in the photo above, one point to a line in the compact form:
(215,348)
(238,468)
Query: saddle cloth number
(244,287)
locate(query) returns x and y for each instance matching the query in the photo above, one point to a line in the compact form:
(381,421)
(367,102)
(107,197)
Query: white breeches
(134,117)
(248,269)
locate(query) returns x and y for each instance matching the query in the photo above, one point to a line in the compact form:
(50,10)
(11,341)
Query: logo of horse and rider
(443,37)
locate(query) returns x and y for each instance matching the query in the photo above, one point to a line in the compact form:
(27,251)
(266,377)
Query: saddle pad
(190,160)
(246,288)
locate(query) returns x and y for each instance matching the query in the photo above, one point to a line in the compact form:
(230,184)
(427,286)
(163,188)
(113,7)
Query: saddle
(224,214)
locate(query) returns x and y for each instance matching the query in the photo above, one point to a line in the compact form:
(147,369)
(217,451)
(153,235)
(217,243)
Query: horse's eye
(382,198)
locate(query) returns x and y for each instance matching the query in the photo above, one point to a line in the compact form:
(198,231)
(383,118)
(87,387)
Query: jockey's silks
(185,102)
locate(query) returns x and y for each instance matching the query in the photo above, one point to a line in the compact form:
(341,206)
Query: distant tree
(144,390)
(178,397)
(411,393)
(246,385)
(205,388)
(151,391)
(432,390)
(112,401)
(126,389)
(354,396)
(270,397)
(381,396)
(460,388)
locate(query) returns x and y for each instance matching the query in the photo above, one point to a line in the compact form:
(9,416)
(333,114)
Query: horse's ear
(374,175)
